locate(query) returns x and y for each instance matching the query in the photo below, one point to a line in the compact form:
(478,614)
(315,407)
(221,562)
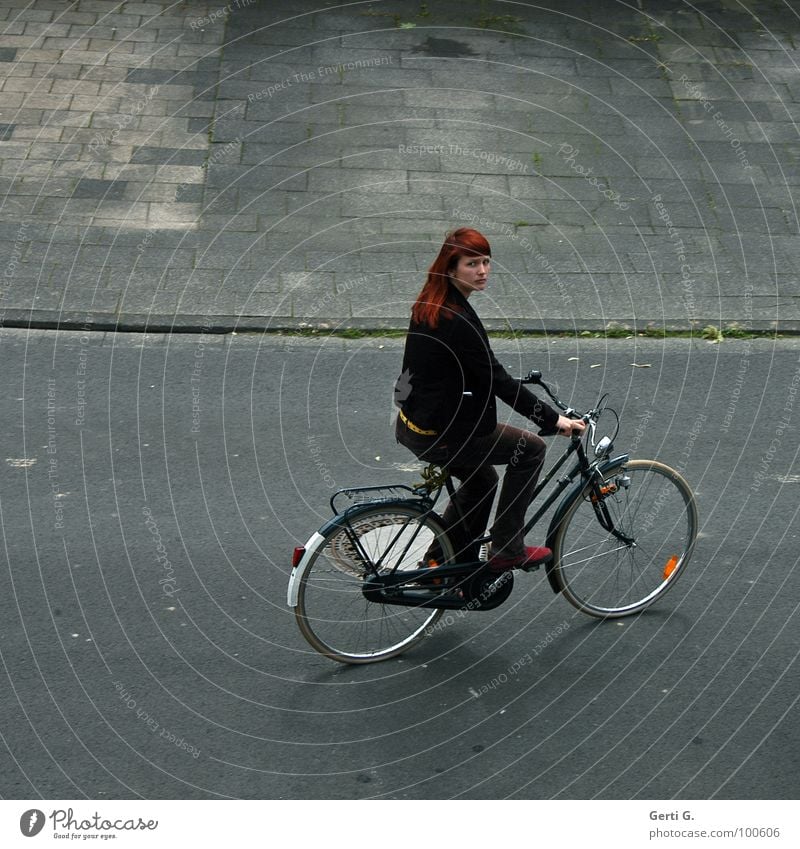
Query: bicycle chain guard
(457,587)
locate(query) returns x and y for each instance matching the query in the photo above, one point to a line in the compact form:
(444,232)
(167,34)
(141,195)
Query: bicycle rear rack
(358,495)
(433,479)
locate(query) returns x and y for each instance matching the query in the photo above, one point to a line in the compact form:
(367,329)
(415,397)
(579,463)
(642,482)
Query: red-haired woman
(448,413)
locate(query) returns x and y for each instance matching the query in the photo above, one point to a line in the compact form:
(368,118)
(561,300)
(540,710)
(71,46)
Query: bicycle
(374,580)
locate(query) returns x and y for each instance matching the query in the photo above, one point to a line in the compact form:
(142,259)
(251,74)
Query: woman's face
(471,274)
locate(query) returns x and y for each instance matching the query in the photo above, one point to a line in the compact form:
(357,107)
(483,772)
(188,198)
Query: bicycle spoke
(571,564)
(603,577)
(332,611)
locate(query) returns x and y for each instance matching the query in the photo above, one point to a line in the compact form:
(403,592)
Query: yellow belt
(404,418)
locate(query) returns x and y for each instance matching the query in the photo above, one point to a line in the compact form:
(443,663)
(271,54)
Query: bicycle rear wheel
(653,508)
(332,612)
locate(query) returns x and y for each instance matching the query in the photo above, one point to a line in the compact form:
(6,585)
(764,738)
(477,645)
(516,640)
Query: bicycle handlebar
(590,417)
(535,377)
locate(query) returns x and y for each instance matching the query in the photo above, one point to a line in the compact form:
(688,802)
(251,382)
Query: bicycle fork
(599,492)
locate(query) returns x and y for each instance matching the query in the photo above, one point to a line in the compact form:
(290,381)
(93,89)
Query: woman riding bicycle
(448,414)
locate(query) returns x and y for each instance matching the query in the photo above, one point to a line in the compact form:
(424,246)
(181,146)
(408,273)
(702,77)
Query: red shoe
(534,555)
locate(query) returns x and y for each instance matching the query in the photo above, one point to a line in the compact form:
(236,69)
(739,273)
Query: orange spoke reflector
(670,567)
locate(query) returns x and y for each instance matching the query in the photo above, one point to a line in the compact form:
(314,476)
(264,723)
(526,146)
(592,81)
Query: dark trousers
(472,464)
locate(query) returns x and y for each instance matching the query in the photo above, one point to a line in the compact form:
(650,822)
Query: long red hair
(462,242)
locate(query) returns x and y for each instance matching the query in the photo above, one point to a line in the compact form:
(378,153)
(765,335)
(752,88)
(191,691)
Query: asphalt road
(153,489)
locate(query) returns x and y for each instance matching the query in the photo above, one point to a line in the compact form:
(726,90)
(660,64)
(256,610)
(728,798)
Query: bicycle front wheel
(613,573)
(332,612)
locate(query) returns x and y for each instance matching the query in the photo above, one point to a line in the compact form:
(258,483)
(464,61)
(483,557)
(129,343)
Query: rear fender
(297,573)
(336,522)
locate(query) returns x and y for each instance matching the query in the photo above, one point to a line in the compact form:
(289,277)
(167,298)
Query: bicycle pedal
(432,564)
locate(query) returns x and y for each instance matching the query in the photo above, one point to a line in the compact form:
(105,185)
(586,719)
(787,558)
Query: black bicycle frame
(581,467)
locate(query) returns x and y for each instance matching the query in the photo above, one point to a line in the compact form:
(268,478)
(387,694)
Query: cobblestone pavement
(264,165)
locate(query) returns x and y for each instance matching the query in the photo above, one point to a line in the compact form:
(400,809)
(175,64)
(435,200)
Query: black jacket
(451,377)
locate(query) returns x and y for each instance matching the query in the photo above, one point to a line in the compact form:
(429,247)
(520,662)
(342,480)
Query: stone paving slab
(274,165)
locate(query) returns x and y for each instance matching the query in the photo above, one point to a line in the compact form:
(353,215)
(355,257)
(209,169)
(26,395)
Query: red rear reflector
(297,556)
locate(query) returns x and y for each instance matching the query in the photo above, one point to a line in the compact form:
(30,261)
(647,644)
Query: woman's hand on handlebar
(566,427)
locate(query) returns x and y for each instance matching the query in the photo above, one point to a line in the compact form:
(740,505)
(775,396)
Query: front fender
(563,506)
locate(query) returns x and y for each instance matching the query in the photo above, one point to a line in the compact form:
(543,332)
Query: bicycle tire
(602,575)
(333,614)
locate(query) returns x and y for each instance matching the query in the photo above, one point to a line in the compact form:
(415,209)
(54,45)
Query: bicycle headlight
(603,447)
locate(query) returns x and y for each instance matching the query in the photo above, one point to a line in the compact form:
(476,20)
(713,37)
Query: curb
(92,322)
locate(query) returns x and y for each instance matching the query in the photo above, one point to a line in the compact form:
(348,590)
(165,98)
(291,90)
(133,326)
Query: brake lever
(592,431)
